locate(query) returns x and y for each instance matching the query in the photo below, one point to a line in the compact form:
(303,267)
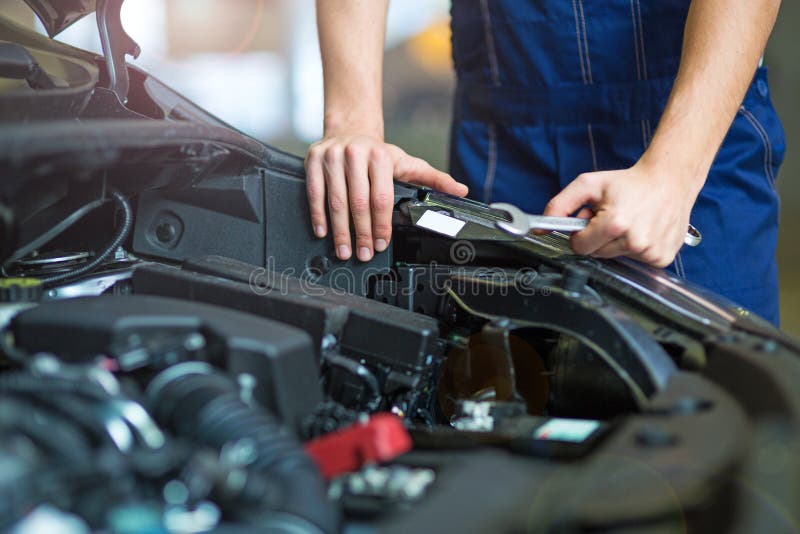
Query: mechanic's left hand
(641,212)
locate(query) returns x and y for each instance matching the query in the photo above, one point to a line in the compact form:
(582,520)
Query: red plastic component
(382,438)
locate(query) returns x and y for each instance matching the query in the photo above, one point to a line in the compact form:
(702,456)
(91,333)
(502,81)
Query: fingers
(657,255)
(338,201)
(661,261)
(356,175)
(586,189)
(585,213)
(358,185)
(605,227)
(633,241)
(315,190)
(382,192)
(417,171)
(636,214)
(613,249)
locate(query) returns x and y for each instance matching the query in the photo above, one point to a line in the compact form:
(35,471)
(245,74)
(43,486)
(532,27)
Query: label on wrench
(441,223)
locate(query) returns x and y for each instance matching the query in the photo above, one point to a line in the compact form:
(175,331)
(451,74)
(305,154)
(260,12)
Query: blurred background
(255,64)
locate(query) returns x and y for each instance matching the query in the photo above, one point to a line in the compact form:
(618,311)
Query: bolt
(194,341)
(574,279)
(318,266)
(166,232)
(329,342)
(247,383)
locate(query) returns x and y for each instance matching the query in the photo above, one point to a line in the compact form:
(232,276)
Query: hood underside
(57,15)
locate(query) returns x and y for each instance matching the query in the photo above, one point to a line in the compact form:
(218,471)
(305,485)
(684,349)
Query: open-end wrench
(521,223)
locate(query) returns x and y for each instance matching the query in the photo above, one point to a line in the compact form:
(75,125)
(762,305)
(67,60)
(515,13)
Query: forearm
(723,42)
(352,35)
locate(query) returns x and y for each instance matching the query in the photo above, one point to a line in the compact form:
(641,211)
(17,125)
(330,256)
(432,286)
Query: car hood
(57,15)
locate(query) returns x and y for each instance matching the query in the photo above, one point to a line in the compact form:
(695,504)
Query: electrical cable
(56,230)
(119,238)
(361,372)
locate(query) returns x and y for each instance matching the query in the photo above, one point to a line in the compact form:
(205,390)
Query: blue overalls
(549,89)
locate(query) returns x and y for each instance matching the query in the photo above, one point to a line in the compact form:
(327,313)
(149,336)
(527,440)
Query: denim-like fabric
(549,89)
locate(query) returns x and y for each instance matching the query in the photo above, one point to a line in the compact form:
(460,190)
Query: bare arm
(643,212)
(351,37)
(352,167)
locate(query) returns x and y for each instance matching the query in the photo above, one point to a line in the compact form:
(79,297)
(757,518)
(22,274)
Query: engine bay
(180,354)
(472,384)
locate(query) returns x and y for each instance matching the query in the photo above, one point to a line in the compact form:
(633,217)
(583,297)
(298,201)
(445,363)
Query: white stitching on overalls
(639,66)
(647,133)
(679,267)
(578,37)
(491,49)
(644,134)
(641,39)
(586,71)
(494,69)
(591,145)
(641,55)
(636,42)
(586,44)
(491,164)
(762,132)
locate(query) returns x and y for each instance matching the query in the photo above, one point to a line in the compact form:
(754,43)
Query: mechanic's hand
(641,212)
(357,171)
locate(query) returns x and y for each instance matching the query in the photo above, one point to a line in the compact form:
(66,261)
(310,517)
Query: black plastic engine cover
(261,219)
(223,214)
(373,330)
(318,318)
(281,358)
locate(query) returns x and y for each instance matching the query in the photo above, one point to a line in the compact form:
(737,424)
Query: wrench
(521,223)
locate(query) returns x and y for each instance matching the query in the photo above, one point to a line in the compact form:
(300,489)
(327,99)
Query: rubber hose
(51,432)
(206,409)
(20,382)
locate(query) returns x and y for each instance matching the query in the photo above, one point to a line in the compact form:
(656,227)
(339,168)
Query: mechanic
(652,104)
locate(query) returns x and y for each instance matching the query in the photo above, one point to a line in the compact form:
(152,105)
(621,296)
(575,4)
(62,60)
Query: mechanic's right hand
(354,173)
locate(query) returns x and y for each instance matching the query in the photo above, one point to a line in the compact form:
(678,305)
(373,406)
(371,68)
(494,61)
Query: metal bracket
(496,333)
(617,339)
(116,45)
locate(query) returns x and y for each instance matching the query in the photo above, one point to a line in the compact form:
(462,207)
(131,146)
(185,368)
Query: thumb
(586,189)
(417,171)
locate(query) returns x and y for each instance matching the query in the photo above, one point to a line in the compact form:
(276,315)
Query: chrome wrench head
(519,223)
